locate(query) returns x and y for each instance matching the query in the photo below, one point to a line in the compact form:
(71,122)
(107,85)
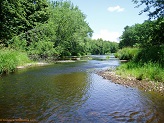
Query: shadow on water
(72,92)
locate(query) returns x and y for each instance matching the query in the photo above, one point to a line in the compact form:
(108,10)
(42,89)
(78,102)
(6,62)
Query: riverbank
(32,65)
(133,82)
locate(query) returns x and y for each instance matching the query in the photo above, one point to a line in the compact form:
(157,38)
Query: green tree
(20,16)
(146,34)
(155,8)
(101,47)
(127,37)
(71,27)
(10,15)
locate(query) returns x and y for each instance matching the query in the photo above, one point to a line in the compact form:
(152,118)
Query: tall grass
(145,63)
(146,71)
(10,59)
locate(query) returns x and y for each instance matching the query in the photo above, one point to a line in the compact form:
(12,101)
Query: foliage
(148,37)
(20,16)
(72,29)
(17,44)
(154,54)
(45,29)
(157,32)
(44,49)
(100,46)
(149,71)
(148,34)
(154,7)
(10,59)
(127,53)
(147,61)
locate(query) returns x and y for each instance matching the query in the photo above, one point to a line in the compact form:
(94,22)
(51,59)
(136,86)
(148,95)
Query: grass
(147,71)
(10,59)
(144,63)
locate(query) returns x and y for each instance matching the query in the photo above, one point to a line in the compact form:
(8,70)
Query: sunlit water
(73,92)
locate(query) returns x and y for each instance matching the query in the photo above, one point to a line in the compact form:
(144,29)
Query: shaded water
(73,92)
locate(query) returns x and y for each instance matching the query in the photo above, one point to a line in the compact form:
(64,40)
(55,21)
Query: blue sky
(108,18)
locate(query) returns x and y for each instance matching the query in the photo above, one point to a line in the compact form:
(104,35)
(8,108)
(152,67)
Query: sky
(107,18)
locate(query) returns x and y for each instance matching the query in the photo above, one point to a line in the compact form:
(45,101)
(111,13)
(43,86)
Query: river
(73,92)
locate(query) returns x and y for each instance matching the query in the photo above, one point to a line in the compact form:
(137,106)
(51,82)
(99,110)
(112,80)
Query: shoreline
(35,64)
(111,75)
(145,85)
(32,65)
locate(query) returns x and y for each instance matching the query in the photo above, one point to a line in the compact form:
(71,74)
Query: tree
(20,16)
(147,34)
(71,27)
(36,12)
(10,15)
(102,47)
(65,31)
(155,8)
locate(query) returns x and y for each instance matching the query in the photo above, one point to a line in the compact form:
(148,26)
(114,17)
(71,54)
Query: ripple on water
(74,93)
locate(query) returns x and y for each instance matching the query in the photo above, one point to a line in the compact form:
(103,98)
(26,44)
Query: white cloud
(115,8)
(107,35)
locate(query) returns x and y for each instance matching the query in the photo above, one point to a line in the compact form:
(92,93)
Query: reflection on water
(72,92)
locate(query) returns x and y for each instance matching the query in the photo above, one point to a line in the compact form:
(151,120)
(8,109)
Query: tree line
(148,34)
(48,28)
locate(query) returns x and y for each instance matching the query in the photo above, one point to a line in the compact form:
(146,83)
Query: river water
(73,92)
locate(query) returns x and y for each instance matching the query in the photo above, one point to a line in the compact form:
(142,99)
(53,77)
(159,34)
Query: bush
(17,43)
(127,53)
(154,54)
(10,59)
(42,49)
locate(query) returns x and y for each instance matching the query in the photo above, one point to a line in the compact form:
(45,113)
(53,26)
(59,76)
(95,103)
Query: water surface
(73,92)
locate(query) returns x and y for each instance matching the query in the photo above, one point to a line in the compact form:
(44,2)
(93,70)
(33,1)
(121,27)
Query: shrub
(154,54)
(42,49)
(10,59)
(17,43)
(127,53)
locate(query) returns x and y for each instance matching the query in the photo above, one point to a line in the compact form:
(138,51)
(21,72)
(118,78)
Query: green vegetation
(147,34)
(45,30)
(143,64)
(127,53)
(145,44)
(147,71)
(101,47)
(10,59)
(49,29)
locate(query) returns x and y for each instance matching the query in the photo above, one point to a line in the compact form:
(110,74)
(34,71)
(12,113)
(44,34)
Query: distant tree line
(101,47)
